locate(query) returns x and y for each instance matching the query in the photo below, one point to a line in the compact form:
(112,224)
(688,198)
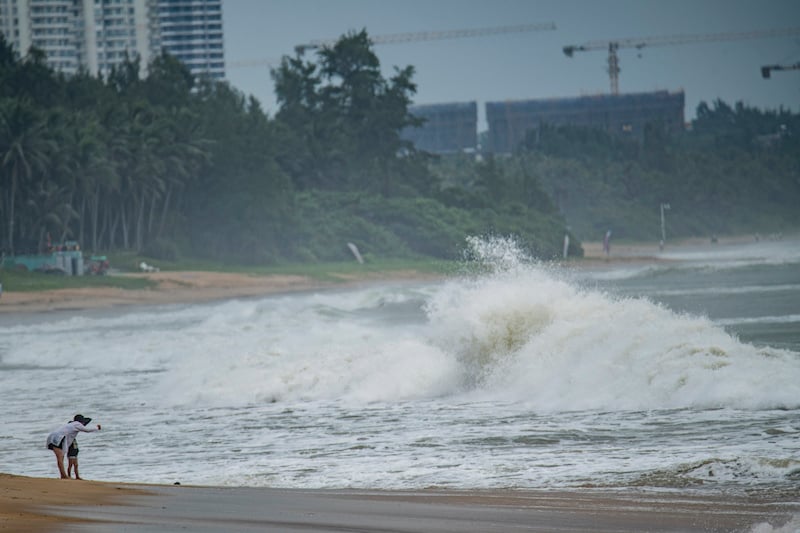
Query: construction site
(620,114)
(452,127)
(448,128)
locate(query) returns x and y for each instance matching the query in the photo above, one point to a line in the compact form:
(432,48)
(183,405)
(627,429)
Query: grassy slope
(14,280)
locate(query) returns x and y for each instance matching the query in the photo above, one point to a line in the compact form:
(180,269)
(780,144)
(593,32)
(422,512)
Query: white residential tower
(98,34)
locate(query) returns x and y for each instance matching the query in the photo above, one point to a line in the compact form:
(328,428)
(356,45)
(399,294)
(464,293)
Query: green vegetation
(23,281)
(736,171)
(322,271)
(339,272)
(193,174)
(169,167)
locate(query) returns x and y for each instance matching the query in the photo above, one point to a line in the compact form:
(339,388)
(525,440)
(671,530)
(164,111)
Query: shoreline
(186,287)
(172,288)
(42,504)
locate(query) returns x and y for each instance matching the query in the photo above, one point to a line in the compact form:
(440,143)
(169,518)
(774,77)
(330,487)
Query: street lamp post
(663,227)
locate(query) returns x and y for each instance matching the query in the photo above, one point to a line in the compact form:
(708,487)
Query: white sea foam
(792,526)
(511,376)
(718,291)
(707,258)
(514,331)
(762,252)
(529,336)
(778,319)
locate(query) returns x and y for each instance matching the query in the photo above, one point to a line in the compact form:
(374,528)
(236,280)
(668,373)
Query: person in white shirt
(60,440)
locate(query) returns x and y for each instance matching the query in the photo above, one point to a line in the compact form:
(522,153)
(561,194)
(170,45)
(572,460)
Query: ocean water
(508,374)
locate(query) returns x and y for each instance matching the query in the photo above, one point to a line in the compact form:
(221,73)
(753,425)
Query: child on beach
(72,459)
(61,439)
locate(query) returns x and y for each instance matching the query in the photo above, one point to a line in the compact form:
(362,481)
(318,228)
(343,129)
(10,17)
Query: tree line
(735,170)
(168,165)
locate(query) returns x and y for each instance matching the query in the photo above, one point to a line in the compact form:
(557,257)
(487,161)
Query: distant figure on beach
(61,439)
(72,459)
(607,243)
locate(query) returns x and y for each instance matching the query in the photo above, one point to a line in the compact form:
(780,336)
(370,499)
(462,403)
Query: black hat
(82,419)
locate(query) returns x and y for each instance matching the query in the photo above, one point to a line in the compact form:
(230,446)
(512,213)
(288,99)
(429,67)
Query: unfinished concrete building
(449,128)
(622,114)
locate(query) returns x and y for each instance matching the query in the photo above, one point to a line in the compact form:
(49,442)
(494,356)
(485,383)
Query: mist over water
(513,374)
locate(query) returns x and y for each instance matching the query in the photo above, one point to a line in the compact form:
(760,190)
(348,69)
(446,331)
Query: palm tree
(50,211)
(183,152)
(86,170)
(24,153)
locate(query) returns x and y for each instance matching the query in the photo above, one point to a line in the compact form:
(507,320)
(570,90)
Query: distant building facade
(191,30)
(108,32)
(50,26)
(449,128)
(97,35)
(623,114)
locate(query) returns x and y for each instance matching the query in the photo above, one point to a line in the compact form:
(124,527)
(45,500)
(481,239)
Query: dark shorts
(60,444)
(72,451)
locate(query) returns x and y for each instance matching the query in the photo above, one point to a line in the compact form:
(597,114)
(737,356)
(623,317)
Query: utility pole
(663,227)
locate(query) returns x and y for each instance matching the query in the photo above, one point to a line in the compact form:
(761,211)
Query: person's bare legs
(73,465)
(60,461)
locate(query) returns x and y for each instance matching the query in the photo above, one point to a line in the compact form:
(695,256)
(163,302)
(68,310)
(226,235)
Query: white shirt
(68,432)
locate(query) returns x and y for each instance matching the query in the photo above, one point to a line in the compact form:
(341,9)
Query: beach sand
(43,505)
(183,287)
(171,287)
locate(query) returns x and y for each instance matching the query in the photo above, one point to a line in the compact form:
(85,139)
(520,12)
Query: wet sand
(31,504)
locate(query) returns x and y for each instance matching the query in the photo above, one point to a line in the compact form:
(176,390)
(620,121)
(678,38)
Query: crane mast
(667,40)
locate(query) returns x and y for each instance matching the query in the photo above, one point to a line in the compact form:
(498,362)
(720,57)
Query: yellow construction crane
(766,70)
(394,38)
(666,40)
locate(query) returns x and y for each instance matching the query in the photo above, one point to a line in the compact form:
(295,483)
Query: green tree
(24,155)
(345,120)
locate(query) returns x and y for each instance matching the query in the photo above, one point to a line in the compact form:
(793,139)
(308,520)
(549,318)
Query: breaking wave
(512,330)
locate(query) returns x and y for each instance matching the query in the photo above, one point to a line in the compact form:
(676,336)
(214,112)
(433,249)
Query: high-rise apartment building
(108,31)
(98,34)
(191,30)
(47,25)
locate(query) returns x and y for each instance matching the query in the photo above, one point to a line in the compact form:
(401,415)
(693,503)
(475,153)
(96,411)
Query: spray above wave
(512,330)
(523,333)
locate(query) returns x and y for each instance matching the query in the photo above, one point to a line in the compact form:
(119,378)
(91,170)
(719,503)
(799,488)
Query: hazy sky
(519,66)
